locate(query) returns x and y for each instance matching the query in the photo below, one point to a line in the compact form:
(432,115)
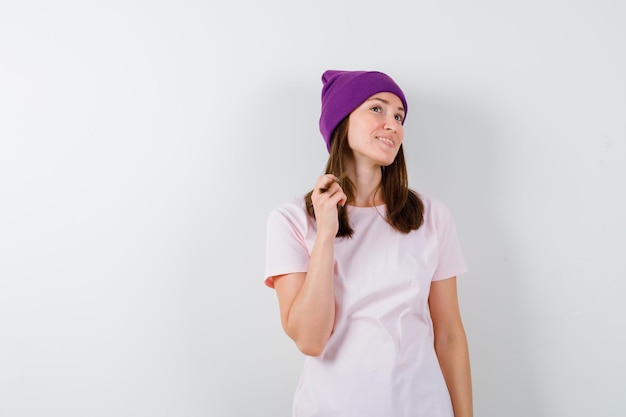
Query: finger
(333,197)
(331,188)
(324,182)
(326,187)
(343,199)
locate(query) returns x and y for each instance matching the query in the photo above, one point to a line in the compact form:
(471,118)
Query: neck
(367,183)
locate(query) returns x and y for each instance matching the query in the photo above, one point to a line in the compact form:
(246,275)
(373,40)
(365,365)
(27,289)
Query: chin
(387,161)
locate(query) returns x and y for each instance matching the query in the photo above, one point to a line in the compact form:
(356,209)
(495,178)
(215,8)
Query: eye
(399,117)
(376,109)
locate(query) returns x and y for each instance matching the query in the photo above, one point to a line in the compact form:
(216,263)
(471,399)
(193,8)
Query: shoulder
(433,206)
(292,212)
(293,208)
(436,212)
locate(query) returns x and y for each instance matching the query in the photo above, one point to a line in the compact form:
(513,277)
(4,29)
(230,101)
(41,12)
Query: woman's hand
(327,195)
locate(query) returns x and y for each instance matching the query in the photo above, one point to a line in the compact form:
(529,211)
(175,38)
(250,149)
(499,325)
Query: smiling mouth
(385,140)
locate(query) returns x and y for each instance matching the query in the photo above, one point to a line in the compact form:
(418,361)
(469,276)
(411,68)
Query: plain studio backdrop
(143,144)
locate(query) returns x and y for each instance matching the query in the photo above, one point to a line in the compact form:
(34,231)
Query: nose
(391,123)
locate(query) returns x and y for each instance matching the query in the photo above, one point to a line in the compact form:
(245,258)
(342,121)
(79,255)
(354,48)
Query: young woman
(365,270)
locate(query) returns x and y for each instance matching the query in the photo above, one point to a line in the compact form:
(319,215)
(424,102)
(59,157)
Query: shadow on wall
(452,153)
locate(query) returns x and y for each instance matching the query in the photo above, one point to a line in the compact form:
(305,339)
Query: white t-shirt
(380,359)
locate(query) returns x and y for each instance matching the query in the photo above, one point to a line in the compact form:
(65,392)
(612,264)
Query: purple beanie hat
(344,91)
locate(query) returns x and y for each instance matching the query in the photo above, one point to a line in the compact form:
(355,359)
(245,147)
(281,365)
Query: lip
(386,140)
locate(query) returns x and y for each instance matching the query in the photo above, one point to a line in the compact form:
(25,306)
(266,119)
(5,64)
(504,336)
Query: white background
(142,144)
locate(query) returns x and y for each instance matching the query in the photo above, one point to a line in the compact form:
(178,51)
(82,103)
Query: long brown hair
(405,210)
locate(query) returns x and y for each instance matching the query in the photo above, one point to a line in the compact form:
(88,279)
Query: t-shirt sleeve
(450,262)
(286,250)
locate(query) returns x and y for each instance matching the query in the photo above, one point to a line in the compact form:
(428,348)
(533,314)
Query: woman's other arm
(451,344)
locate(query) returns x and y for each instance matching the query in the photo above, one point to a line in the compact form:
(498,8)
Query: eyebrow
(387,102)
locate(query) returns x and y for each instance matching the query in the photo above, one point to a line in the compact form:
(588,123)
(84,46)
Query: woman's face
(375,130)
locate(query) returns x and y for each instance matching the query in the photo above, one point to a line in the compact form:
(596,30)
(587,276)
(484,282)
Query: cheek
(349,137)
(355,130)
(400,134)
